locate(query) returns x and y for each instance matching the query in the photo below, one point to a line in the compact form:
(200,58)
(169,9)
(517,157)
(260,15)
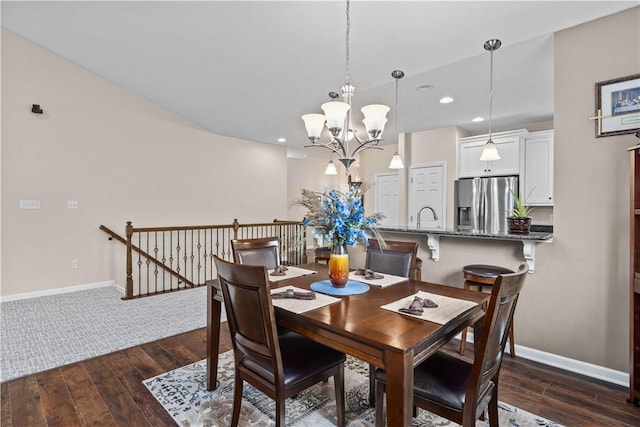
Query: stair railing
(168,259)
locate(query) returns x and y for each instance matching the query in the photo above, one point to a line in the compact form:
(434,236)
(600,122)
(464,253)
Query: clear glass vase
(339,266)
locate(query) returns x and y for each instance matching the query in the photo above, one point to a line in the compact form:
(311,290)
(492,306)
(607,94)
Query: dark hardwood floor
(108,390)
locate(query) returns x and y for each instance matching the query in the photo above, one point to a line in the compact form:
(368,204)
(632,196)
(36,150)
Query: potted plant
(519,221)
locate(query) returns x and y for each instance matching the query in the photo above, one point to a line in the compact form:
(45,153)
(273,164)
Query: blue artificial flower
(341,217)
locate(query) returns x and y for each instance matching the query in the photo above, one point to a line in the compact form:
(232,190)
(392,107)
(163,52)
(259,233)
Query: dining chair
(280,366)
(392,257)
(395,258)
(261,251)
(460,391)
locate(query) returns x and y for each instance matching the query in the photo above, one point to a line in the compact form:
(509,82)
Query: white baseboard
(65,290)
(571,365)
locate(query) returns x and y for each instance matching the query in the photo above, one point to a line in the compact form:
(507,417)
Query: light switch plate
(72,204)
(29,204)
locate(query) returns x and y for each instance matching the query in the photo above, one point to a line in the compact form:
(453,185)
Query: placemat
(447,309)
(351,288)
(387,279)
(301,305)
(291,272)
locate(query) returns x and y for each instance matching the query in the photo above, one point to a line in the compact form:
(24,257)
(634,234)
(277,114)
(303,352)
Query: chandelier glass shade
(331,168)
(396,162)
(490,150)
(337,118)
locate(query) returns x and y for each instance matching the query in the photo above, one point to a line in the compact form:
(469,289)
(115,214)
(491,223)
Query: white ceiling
(251,69)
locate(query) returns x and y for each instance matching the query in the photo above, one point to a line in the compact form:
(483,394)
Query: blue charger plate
(351,288)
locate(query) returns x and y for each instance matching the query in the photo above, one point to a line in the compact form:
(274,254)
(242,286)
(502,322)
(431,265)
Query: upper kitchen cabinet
(510,146)
(538,168)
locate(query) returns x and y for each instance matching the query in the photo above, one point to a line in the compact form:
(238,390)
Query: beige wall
(438,145)
(123,158)
(308,174)
(591,212)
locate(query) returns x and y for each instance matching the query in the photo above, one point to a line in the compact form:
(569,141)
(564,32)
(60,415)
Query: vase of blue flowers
(340,218)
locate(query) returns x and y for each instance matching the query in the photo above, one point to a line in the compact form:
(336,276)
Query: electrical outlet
(74,263)
(29,204)
(72,204)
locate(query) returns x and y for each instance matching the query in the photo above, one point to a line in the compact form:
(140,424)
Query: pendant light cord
(396,121)
(491,45)
(348,78)
(491,95)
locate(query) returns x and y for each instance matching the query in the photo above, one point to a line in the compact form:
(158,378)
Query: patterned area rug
(183,394)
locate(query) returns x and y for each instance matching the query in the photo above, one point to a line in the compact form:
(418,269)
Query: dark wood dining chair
(396,258)
(460,391)
(262,251)
(280,366)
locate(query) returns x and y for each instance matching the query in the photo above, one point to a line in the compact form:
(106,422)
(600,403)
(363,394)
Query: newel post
(236,227)
(304,243)
(129,286)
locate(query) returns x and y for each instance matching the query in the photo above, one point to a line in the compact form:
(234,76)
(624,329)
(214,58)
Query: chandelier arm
(328,147)
(355,135)
(366,146)
(339,143)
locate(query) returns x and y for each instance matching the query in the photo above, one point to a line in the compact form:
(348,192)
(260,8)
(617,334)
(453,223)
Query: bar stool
(481,275)
(322,254)
(417,272)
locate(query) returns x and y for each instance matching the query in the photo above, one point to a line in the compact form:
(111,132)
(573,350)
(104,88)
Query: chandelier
(337,117)
(490,151)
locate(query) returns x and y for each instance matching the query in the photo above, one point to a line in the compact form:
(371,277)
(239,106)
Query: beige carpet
(51,331)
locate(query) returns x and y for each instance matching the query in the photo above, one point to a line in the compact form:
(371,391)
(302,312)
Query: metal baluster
(164,261)
(184,257)
(155,255)
(171,259)
(147,262)
(139,264)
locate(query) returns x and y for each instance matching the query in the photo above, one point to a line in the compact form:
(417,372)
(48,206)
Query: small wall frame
(618,106)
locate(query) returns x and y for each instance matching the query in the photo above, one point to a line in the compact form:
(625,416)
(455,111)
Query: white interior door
(387,198)
(428,188)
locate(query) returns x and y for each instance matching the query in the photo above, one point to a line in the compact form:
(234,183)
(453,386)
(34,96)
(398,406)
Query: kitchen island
(433,236)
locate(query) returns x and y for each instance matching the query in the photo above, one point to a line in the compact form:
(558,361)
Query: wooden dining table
(358,326)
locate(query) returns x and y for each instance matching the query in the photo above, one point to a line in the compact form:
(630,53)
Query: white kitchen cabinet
(510,147)
(538,168)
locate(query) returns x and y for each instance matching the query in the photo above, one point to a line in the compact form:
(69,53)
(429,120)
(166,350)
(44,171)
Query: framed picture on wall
(618,106)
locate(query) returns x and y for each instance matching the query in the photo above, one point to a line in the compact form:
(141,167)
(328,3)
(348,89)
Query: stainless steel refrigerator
(482,204)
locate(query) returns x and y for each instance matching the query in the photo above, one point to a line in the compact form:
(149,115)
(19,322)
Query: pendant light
(331,167)
(396,160)
(490,151)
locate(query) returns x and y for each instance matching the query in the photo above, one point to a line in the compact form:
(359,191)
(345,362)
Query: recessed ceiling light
(478,119)
(424,88)
(446,100)
(282,139)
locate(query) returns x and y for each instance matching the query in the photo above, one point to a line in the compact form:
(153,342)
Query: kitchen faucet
(435,215)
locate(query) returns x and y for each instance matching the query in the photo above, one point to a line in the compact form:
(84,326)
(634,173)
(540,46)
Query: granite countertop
(534,235)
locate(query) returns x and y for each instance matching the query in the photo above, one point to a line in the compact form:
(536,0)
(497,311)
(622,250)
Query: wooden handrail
(113,234)
(129,286)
